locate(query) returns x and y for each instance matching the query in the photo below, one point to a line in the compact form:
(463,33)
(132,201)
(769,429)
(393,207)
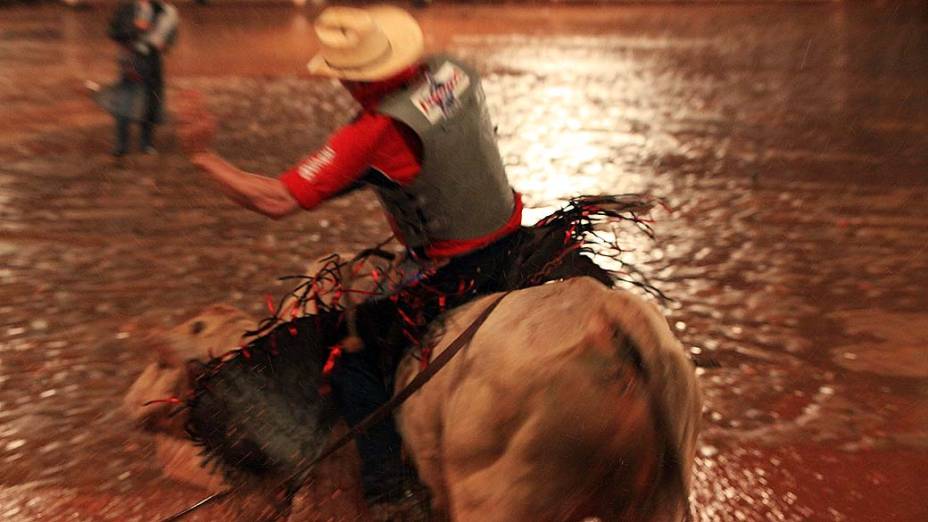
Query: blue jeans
(359,388)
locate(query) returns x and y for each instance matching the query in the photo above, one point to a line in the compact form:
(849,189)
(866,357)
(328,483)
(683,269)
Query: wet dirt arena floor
(788,140)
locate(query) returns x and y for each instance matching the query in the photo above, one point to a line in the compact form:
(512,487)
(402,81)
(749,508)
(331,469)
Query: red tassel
(270,303)
(408,320)
(425,356)
(413,341)
(334,354)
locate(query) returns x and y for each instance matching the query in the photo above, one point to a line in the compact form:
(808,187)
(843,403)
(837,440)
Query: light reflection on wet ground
(789,142)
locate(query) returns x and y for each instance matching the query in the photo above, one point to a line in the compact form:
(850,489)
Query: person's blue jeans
(359,388)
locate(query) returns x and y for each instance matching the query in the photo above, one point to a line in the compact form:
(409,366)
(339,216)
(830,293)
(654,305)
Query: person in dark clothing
(145,30)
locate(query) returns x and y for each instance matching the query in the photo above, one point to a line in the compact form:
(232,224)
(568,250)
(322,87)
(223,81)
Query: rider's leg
(359,389)
(154,91)
(359,386)
(122,136)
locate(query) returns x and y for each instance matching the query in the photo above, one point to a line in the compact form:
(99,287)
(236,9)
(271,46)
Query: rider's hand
(196,126)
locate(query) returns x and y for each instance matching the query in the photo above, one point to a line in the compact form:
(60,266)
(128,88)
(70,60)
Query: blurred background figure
(144,30)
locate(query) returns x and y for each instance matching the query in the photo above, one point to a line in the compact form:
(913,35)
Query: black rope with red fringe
(582,220)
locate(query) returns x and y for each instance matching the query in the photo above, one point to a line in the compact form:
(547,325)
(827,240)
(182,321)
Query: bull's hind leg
(576,456)
(422,435)
(571,438)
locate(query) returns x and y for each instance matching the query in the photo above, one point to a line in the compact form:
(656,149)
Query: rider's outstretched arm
(261,194)
(371,141)
(196,129)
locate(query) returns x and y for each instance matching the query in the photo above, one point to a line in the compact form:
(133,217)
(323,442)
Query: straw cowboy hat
(366,44)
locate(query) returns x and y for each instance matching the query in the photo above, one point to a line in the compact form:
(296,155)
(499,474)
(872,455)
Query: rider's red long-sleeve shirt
(376,141)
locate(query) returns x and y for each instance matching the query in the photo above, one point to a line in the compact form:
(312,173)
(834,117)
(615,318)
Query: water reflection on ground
(788,141)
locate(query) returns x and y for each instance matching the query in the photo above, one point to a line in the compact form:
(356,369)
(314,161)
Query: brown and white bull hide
(545,416)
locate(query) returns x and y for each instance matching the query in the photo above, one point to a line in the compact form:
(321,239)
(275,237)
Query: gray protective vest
(462,191)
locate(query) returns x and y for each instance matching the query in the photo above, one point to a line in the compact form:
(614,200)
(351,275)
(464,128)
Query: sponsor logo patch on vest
(440,97)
